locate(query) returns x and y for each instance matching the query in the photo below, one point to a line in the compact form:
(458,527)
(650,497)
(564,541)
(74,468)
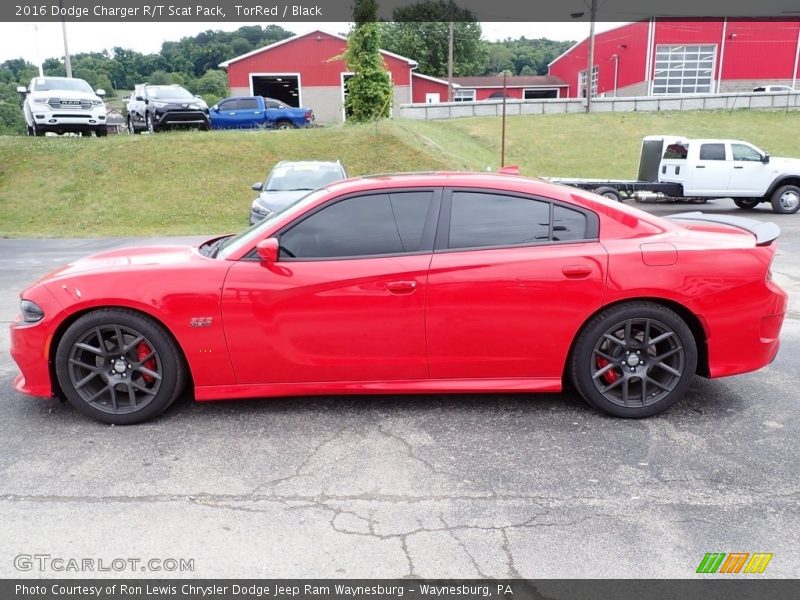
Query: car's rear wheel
(119,366)
(284,125)
(634,360)
(786,199)
(746,203)
(608,192)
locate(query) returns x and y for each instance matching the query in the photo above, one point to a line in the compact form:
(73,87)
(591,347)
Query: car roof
(309,163)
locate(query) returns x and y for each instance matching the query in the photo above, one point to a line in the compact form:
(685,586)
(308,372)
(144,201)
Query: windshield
(47,84)
(246,237)
(302,177)
(177,93)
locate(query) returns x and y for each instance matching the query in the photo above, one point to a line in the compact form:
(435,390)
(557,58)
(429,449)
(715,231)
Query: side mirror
(257,186)
(268,250)
(100,92)
(215,108)
(765,159)
(139,99)
(126,98)
(22,89)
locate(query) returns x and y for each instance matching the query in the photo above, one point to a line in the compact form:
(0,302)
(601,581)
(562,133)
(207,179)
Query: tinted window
(678,151)
(275,104)
(568,224)
(742,152)
(229,105)
(248,104)
(712,152)
(484,219)
(361,226)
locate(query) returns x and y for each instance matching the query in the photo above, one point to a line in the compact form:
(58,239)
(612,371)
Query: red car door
(511,282)
(345,301)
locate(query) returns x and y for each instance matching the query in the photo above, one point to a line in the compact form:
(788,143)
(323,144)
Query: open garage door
(283,87)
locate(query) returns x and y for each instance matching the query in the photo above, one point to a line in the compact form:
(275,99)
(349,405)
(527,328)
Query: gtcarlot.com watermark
(44,563)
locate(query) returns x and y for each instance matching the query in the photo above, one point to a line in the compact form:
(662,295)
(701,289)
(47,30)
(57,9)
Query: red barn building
(671,56)
(308,70)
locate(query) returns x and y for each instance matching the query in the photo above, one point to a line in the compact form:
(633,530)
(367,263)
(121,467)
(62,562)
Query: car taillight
(309,115)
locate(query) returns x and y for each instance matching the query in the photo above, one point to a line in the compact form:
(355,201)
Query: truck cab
(724,168)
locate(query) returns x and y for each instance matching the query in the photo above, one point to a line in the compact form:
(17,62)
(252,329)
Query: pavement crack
(506,547)
(410,450)
(452,532)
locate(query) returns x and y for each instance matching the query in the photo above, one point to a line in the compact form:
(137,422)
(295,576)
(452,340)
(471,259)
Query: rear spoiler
(765,232)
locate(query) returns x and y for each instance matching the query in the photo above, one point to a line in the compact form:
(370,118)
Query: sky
(19,39)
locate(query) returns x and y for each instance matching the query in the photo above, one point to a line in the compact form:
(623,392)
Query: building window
(537,93)
(682,69)
(582,82)
(462,95)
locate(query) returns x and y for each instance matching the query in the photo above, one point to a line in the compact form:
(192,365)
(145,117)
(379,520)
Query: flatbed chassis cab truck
(697,170)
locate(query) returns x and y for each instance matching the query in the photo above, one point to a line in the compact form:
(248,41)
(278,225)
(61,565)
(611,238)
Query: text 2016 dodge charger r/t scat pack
(424,283)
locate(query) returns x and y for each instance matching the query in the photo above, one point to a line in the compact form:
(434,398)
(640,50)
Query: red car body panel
(499,319)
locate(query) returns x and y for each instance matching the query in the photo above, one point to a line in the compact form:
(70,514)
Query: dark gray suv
(152,108)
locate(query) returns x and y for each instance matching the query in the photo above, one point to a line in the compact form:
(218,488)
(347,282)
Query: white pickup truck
(701,169)
(62,105)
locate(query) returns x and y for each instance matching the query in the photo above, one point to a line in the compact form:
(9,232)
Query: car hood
(782,163)
(151,257)
(275,201)
(65,94)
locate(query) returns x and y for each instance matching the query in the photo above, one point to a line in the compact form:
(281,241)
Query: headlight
(260,210)
(41,100)
(160,104)
(196,107)
(31,313)
(97,103)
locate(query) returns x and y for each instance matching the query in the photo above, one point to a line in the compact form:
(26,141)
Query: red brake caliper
(609,376)
(142,350)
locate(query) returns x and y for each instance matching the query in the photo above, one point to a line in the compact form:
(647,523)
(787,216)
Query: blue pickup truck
(241,112)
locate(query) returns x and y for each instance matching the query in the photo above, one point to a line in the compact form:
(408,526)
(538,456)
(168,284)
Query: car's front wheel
(786,200)
(634,360)
(148,120)
(119,366)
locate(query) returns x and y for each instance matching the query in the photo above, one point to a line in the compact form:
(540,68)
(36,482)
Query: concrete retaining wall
(729,101)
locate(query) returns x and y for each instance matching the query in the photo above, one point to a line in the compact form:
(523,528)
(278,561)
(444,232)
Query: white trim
(796,61)
(499,86)
(299,83)
(579,42)
(722,52)
(226,63)
(648,63)
(435,79)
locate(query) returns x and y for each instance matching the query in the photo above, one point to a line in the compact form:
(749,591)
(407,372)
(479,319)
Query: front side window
(248,104)
(712,152)
(745,153)
(372,225)
(229,105)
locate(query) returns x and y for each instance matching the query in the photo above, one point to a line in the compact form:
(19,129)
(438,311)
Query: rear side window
(677,151)
(248,104)
(483,219)
(568,224)
(361,226)
(712,152)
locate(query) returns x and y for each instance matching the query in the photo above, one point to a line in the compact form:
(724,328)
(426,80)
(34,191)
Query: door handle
(401,287)
(738,167)
(576,271)
(700,167)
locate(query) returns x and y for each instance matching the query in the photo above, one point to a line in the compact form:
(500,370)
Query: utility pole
(503,132)
(450,64)
(590,67)
(67,62)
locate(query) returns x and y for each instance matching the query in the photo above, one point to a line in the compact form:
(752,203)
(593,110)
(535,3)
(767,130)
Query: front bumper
(180,117)
(67,118)
(30,347)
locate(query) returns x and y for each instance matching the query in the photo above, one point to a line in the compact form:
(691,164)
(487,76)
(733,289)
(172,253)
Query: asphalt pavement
(390,486)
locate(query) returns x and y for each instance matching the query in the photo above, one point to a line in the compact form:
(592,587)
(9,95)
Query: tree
(421,31)
(369,91)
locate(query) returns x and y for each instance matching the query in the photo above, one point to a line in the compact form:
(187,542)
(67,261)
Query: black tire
(30,130)
(608,192)
(786,200)
(106,373)
(623,376)
(132,127)
(101,132)
(746,203)
(149,125)
(284,124)
(37,132)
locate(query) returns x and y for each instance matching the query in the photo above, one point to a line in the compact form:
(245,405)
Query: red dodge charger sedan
(417,283)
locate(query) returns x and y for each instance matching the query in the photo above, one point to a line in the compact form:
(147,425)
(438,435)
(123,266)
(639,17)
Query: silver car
(291,180)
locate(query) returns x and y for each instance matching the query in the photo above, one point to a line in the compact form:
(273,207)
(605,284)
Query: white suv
(63,104)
